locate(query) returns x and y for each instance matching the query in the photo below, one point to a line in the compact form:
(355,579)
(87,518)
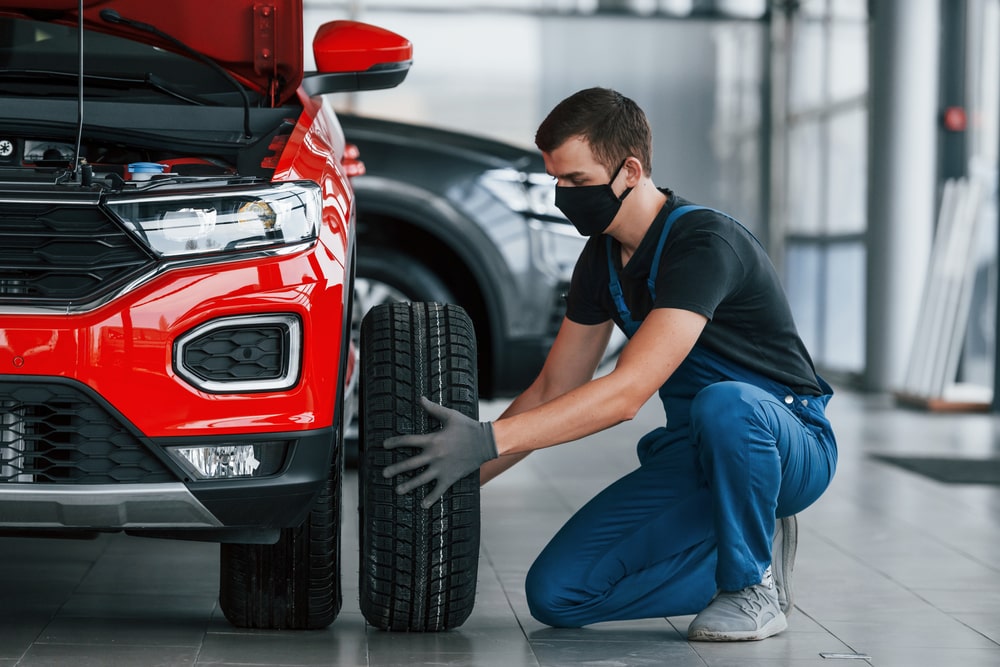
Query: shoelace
(751,601)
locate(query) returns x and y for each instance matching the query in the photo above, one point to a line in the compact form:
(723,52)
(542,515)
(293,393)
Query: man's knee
(548,601)
(722,412)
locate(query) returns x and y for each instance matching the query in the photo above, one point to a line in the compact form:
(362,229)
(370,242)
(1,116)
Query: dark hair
(613,125)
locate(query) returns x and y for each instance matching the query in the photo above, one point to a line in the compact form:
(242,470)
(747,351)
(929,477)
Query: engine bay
(44,160)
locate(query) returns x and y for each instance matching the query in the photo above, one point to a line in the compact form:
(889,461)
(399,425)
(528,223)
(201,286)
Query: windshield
(41,59)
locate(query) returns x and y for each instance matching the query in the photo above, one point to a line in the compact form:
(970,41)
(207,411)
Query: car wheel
(293,584)
(387,276)
(418,566)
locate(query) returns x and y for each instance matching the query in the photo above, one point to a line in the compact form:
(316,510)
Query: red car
(176,277)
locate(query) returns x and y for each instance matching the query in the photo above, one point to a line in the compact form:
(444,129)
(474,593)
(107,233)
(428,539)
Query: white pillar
(902,167)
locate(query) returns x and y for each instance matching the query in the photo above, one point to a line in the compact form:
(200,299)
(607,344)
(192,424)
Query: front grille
(55,433)
(55,254)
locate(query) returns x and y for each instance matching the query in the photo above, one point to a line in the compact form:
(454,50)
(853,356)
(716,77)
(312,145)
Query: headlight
(557,245)
(231,221)
(532,194)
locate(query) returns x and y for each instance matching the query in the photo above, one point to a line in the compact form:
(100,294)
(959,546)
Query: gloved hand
(457,449)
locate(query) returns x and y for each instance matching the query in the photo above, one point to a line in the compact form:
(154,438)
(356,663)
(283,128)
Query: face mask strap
(624,194)
(617,171)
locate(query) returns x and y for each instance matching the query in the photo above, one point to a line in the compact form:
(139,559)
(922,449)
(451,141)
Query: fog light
(230,460)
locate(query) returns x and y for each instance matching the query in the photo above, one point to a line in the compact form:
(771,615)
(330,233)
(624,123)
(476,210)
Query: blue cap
(146,168)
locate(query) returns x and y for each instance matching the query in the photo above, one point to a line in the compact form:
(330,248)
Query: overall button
(789,399)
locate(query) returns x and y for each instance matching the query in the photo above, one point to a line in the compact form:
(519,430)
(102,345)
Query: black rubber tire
(418,566)
(295,583)
(409,280)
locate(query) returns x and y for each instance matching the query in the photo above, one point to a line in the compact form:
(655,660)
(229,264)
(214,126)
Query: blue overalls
(698,515)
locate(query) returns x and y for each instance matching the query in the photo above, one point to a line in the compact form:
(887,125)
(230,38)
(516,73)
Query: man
(695,528)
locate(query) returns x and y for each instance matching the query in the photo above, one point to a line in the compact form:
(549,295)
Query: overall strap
(671,219)
(615,286)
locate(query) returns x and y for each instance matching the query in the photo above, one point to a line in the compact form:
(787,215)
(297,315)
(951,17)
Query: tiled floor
(892,566)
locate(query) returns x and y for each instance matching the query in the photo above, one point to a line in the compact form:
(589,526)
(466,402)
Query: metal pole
(902,179)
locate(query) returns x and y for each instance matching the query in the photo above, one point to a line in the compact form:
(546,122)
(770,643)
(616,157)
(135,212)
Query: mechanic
(706,524)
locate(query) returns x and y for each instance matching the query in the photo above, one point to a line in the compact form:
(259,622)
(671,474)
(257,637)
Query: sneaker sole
(784,561)
(769,629)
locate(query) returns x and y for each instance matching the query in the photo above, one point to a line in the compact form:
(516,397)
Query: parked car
(451,217)
(177,242)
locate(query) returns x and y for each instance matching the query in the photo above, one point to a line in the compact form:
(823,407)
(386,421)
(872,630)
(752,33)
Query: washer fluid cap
(143,171)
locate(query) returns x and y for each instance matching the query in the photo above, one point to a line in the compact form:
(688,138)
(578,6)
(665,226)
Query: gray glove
(457,449)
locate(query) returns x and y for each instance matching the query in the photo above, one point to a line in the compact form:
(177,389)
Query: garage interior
(859,140)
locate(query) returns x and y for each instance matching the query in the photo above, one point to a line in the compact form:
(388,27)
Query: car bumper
(95,407)
(216,506)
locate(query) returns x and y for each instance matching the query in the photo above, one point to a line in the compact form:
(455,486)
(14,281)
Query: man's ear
(633,171)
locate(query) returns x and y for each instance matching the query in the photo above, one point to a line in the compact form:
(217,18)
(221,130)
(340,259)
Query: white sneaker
(786,541)
(747,615)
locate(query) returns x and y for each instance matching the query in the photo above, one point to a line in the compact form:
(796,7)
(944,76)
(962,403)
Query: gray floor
(892,565)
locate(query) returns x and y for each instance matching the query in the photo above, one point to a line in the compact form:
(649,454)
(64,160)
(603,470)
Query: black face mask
(591,208)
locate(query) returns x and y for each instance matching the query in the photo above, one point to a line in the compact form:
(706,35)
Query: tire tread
(418,566)
(293,584)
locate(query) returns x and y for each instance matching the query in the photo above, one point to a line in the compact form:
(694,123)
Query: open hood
(259,42)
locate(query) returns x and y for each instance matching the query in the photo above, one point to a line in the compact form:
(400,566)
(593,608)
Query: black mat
(947,469)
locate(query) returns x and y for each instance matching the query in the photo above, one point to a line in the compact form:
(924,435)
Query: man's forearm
(493,468)
(531,397)
(593,407)
(571,364)
(651,356)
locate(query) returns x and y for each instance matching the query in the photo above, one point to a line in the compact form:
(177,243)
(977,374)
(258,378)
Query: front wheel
(293,584)
(418,566)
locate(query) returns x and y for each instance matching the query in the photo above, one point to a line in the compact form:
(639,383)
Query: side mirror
(351,56)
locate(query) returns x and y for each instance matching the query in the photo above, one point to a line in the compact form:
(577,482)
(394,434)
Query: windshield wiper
(111,16)
(149,80)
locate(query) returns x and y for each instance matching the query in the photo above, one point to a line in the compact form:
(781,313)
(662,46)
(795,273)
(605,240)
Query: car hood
(259,43)
(457,146)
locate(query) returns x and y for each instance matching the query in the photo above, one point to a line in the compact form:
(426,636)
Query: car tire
(384,275)
(418,566)
(295,583)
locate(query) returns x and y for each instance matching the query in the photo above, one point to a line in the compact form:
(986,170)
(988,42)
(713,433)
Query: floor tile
(891,564)
(88,655)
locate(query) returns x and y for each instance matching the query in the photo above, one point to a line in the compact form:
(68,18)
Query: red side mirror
(351,46)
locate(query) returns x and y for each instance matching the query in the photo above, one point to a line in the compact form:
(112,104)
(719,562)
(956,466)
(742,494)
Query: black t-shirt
(710,265)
